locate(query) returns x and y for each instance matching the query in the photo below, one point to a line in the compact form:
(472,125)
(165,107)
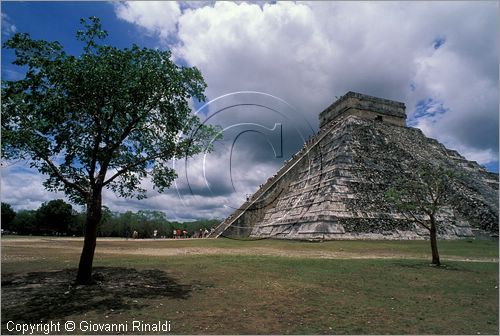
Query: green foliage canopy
(55,215)
(25,222)
(8,215)
(105,119)
(421,195)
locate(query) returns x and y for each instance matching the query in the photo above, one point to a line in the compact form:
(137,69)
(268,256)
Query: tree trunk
(94,214)
(434,247)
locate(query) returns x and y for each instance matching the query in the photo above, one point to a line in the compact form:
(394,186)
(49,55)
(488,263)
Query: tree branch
(66,182)
(130,166)
(95,150)
(125,134)
(419,221)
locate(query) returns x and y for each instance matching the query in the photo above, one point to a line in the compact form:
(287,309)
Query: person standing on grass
(179,233)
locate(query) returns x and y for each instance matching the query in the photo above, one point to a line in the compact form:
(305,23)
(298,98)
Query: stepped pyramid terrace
(334,187)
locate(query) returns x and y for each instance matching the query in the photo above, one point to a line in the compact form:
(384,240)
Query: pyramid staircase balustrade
(306,148)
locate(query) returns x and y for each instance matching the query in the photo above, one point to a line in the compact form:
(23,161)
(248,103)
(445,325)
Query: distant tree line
(57,217)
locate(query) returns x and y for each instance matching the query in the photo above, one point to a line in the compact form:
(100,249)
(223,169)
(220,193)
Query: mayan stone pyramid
(333,188)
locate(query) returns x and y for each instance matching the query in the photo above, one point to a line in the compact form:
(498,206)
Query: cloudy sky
(271,68)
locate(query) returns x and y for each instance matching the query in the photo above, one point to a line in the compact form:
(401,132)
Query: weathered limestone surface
(368,107)
(334,187)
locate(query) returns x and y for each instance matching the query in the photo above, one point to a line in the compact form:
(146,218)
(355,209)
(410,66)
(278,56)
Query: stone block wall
(367,107)
(334,187)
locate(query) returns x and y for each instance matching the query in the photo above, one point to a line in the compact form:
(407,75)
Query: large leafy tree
(25,222)
(420,197)
(105,119)
(8,215)
(55,216)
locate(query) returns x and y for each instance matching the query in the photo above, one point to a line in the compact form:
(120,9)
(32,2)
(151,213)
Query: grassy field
(258,287)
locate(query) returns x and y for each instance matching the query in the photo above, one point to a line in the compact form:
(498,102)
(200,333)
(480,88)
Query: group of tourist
(203,233)
(178,234)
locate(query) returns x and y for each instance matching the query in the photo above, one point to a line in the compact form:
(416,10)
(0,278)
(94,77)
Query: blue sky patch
(438,42)
(276,59)
(491,166)
(427,108)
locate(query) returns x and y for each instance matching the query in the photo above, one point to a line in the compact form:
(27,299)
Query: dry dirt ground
(292,294)
(119,246)
(51,295)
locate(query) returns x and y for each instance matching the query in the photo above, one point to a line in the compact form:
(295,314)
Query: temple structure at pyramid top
(334,186)
(368,107)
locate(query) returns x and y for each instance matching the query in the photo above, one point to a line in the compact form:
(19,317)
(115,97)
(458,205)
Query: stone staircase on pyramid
(287,166)
(333,188)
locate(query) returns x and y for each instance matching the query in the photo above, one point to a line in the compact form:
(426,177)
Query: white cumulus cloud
(8,28)
(443,55)
(308,53)
(158,17)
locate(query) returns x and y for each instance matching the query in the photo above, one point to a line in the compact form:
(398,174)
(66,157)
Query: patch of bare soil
(266,251)
(36,296)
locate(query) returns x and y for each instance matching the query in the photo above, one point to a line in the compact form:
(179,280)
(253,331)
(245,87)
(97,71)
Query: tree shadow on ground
(37,296)
(428,266)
